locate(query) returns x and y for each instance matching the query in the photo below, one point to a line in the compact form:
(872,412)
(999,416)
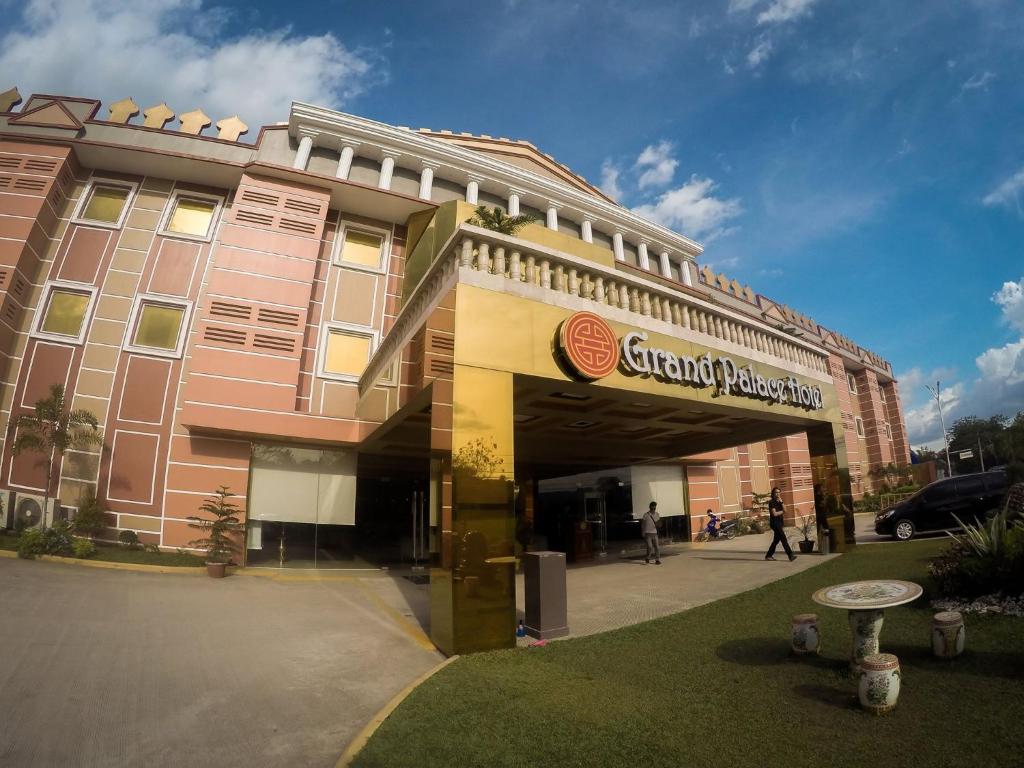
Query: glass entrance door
(596,515)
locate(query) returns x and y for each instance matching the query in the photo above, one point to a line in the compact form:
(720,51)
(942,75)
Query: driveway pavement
(114,668)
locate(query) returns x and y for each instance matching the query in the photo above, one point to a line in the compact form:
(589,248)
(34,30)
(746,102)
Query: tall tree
(51,430)
(973,434)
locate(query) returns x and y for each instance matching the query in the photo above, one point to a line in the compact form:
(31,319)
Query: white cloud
(923,422)
(657,165)
(998,388)
(1006,363)
(979,80)
(1010,299)
(737,6)
(759,53)
(167,50)
(1007,193)
(693,210)
(610,180)
(785,10)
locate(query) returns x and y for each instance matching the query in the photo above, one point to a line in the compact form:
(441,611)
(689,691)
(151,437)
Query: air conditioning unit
(27,510)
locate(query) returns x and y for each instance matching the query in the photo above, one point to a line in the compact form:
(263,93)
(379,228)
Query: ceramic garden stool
(879,683)
(948,634)
(806,637)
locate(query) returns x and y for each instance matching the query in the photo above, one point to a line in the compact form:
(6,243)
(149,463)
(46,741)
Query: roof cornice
(343,126)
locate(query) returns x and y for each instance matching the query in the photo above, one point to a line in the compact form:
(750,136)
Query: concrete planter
(948,634)
(216,570)
(879,687)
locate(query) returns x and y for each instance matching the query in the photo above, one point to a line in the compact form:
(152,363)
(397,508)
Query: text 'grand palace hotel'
(311,321)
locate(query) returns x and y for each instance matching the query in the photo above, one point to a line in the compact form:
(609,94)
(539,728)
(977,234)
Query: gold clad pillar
(830,472)
(473,583)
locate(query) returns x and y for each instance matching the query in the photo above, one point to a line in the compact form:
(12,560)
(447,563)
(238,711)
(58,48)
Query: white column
(473,190)
(666,268)
(552,220)
(641,255)
(348,153)
(587,230)
(620,254)
(513,202)
(427,180)
(387,168)
(684,268)
(302,155)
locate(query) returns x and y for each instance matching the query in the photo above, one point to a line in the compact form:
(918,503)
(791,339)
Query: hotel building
(311,320)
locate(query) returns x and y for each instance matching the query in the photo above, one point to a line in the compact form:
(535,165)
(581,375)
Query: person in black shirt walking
(775,513)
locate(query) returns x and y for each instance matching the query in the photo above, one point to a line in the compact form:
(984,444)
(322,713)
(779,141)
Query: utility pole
(935,393)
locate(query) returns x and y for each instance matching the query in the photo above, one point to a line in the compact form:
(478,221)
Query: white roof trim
(340,127)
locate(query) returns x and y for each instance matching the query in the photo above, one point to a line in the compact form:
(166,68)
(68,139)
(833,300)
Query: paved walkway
(616,592)
(271,668)
(114,668)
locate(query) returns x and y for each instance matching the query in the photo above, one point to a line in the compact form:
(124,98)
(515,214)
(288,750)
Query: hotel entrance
(531,449)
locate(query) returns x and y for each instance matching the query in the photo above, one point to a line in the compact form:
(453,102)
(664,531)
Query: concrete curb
(138,567)
(356,745)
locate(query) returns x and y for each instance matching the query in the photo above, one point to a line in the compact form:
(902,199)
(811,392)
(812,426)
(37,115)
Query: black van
(937,506)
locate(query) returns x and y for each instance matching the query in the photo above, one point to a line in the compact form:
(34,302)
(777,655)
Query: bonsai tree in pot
(805,525)
(219,522)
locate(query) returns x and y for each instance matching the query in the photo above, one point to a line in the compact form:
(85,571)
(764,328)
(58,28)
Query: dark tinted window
(996,481)
(971,486)
(940,492)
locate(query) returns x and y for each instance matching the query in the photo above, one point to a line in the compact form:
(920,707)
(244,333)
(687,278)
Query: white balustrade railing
(519,261)
(516,260)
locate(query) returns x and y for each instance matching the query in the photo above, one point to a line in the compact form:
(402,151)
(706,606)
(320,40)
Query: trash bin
(544,587)
(823,541)
(837,533)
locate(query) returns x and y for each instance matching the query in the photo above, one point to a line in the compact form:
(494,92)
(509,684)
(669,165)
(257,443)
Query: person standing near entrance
(649,528)
(775,515)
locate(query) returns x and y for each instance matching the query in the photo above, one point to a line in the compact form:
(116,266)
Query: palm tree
(51,429)
(495,220)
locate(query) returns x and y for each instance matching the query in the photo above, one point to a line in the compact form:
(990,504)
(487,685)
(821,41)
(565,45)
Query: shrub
(83,548)
(217,543)
(152,548)
(45,541)
(129,539)
(987,558)
(89,519)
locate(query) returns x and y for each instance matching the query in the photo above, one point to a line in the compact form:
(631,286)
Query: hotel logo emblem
(589,345)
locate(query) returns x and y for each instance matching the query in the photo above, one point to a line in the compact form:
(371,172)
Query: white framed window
(860,426)
(191,215)
(105,202)
(64,311)
(851,382)
(888,432)
(345,351)
(158,326)
(363,247)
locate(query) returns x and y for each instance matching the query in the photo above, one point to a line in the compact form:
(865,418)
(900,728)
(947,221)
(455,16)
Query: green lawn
(717,686)
(113,553)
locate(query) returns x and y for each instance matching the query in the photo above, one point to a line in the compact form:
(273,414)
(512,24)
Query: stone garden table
(866,602)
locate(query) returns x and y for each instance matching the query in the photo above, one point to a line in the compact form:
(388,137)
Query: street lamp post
(935,393)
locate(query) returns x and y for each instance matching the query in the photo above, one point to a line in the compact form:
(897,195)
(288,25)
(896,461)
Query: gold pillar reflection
(473,586)
(830,472)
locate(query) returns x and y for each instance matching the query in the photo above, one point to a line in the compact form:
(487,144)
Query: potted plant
(220,522)
(805,525)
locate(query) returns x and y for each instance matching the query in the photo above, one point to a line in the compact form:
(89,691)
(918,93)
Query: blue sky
(861,161)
